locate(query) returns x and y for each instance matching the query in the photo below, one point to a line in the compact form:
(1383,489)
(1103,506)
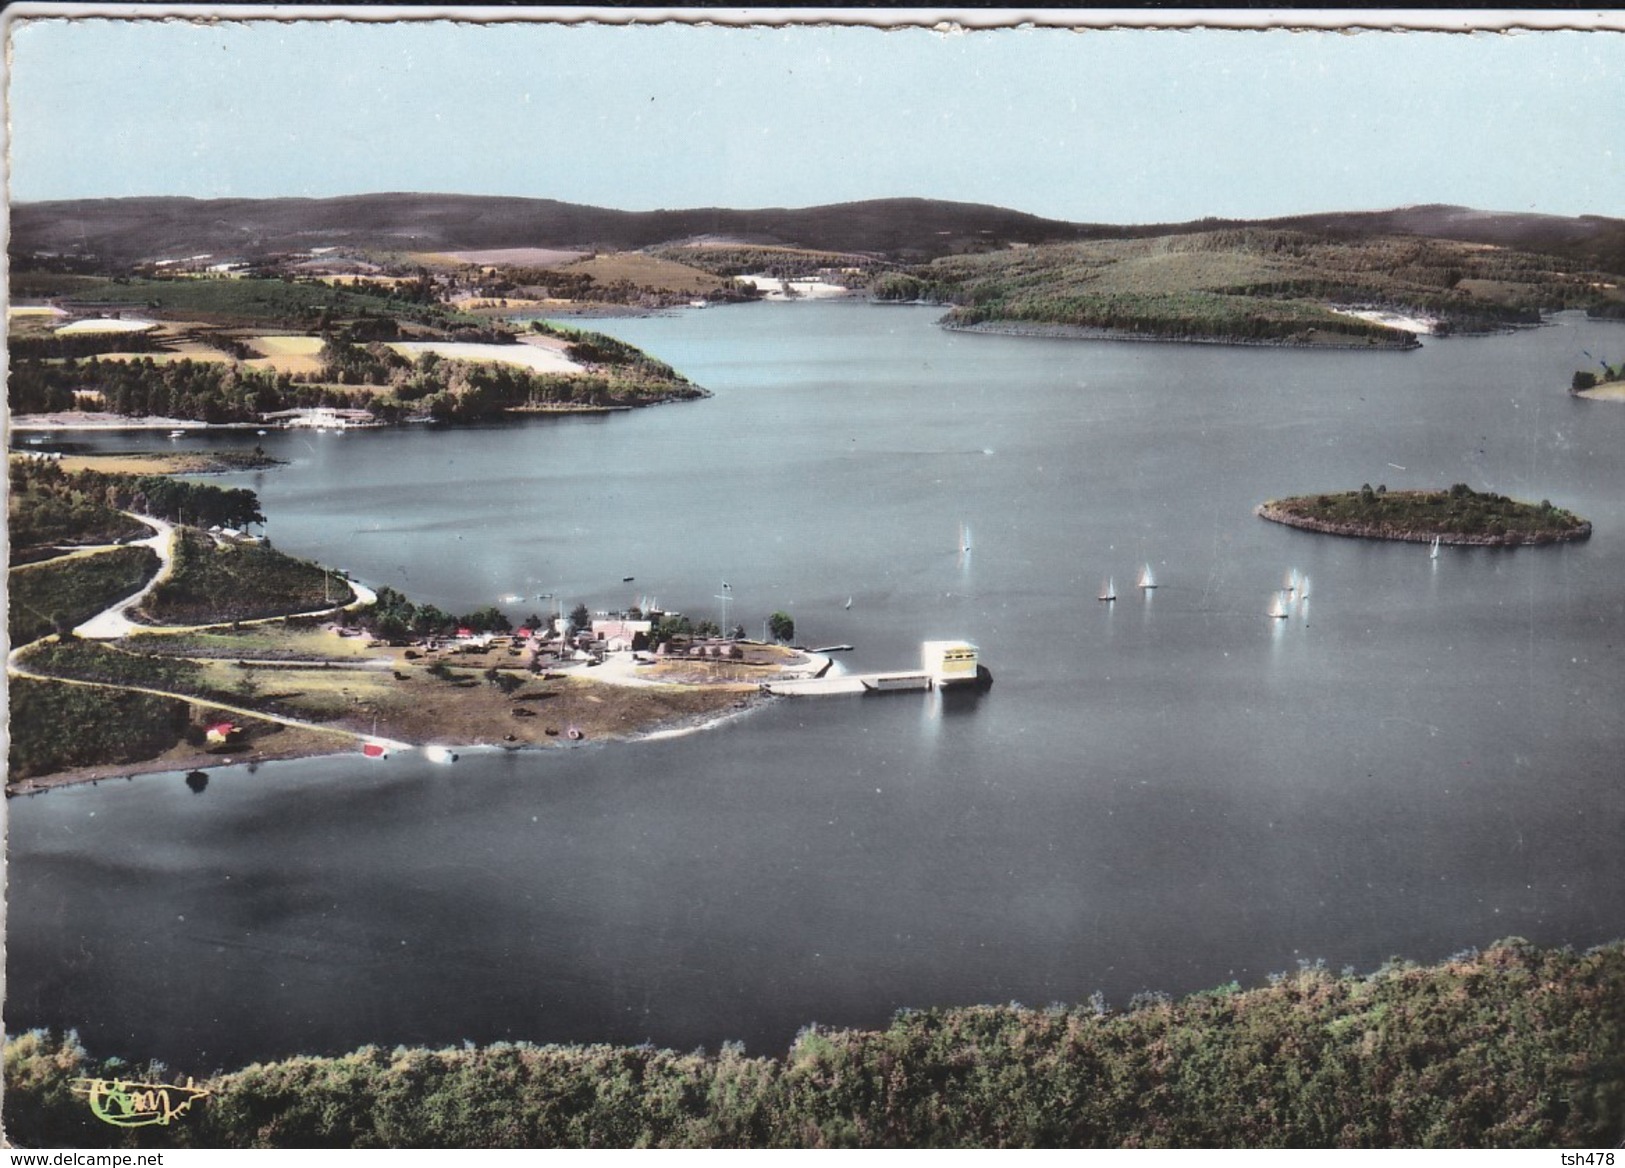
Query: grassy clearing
(168,462)
(645,271)
(267,642)
(72,590)
(464,703)
(286,346)
(286,354)
(237,301)
(526,257)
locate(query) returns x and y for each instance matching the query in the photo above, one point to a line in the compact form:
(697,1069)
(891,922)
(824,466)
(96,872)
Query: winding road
(113,623)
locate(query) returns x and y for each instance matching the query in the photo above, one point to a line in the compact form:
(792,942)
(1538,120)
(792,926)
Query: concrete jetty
(945,663)
(848,683)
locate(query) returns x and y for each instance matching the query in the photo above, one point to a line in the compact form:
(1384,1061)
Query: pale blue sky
(1119,126)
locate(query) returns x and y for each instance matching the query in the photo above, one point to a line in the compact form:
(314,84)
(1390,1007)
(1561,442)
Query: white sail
(1278,608)
(1147,580)
(1434,553)
(1109,590)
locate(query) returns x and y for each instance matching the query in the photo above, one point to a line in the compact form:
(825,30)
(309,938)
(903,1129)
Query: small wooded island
(1460,515)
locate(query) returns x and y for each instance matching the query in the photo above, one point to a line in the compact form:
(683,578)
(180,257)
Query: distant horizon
(1100,125)
(674,209)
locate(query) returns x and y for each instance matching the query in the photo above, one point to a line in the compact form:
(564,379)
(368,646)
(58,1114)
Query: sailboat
(1147,580)
(964,538)
(1434,553)
(1278,609)
(1109,590)
(849,602)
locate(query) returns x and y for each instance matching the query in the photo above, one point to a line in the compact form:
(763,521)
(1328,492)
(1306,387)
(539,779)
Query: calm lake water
(1164,794)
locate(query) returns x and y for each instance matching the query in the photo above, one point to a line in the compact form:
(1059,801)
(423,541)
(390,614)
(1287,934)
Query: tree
(580,618)
(781,627)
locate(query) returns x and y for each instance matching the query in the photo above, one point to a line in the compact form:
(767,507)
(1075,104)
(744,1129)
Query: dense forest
(1516,1046)
(47,503)
(60,725)
(1458,515)
(390,385)
(60,594)
(210,584)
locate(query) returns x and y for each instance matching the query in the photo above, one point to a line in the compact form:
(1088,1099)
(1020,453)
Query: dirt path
(112,623)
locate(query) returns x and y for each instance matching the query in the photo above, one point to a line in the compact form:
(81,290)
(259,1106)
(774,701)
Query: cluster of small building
(557,641)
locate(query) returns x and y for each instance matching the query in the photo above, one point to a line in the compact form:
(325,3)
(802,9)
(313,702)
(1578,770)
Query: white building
(949,662)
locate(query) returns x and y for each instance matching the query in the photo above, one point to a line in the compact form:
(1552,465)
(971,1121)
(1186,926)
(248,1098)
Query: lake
(1165,793)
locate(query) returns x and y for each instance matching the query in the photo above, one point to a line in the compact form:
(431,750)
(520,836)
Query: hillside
(130,229)
(126,230)
(1254,284)
(1514,1047)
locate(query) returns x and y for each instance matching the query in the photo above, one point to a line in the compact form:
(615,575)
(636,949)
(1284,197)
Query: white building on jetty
(949,662)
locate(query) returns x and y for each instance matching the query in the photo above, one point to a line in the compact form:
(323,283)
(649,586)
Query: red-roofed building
(222,733)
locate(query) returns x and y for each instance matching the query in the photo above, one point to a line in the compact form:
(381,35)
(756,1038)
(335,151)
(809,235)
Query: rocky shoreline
(1077,332)
(1276,514)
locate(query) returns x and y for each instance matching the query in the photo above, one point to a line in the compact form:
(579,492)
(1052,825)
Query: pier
(848,683)
(945,663)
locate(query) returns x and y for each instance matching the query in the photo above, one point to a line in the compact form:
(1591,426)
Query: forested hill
(123,230)
(1515,1047)
(1596,241)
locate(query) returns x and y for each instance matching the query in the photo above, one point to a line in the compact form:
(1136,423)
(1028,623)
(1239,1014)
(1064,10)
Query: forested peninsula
(1251,285)
(1459,515)
(1517,1046)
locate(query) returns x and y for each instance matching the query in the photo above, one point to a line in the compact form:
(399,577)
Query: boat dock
(943,663)
(848,683)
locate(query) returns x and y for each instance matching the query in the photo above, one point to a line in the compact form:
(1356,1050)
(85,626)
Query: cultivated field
(96,324)
(645,271)
(519,257)
(533,357)
(286,354)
